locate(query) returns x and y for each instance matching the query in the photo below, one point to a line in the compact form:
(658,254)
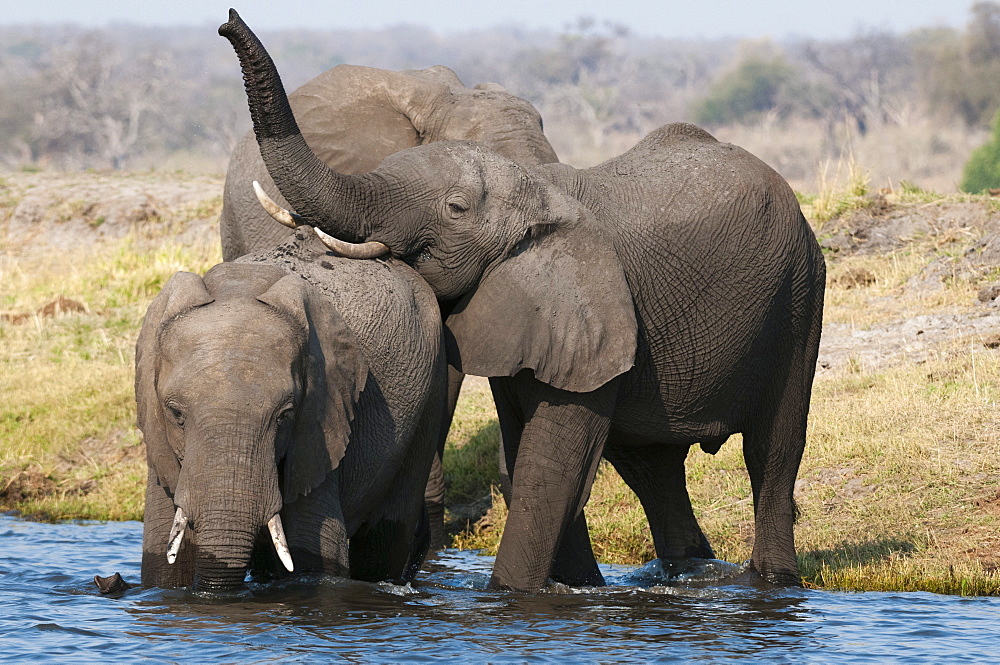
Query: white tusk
(289,219)
(278,538)
(365,250)
(176,535)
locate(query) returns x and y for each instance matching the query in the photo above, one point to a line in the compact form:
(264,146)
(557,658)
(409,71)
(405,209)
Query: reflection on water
(52,609)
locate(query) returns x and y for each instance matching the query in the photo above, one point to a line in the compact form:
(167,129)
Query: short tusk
(278,538)
(365,250)
(176,535)
(289,219)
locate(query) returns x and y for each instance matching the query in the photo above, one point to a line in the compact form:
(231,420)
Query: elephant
(353,117)
(296,390)
(670,296)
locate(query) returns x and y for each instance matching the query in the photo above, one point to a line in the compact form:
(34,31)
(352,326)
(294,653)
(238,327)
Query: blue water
(53,611)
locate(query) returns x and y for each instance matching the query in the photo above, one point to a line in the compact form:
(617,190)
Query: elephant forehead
(248,332)
(438,163)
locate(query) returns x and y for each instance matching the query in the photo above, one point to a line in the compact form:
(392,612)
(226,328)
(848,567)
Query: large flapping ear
(182,292)
(354,117)
(559,305)
(335,374)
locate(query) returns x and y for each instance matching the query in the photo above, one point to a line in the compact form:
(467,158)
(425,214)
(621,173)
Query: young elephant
(670,296)
(295,393)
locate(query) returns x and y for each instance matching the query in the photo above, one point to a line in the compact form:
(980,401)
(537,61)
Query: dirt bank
(41,212)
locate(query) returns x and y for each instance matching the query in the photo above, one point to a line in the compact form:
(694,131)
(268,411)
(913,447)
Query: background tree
(982,171)
(961,71)
(751,89)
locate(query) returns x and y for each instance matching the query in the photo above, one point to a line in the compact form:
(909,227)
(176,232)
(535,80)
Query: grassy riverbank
(899,483)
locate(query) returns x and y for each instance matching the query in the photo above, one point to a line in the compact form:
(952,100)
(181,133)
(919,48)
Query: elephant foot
(782,578)
(579,576)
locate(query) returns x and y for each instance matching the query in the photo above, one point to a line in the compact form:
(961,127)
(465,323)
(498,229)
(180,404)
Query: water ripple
(53,611)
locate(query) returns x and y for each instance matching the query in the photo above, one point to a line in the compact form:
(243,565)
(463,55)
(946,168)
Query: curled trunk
(318,193)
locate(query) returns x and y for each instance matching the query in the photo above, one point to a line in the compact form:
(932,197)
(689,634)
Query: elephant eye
(456,208)
(176,414)
(286,414)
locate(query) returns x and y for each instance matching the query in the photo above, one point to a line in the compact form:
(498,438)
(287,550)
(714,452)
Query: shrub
(751,89)
(982,171)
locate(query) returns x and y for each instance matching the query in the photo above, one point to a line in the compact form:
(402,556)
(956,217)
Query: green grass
(68,445)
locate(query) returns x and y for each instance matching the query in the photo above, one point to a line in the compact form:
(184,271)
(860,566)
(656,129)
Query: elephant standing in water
(352,118)
(294,390)
(670,296)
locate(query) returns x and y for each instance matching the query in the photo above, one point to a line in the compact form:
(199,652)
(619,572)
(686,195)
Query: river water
(53,611)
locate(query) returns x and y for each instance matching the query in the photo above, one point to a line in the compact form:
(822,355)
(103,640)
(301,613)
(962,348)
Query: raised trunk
(322,196)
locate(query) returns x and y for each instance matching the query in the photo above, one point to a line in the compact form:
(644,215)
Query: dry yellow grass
(898,486)
(68,445)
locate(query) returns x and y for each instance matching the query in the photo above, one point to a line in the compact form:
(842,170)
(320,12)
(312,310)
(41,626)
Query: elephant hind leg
(774,442)
(655,472)
(772,451)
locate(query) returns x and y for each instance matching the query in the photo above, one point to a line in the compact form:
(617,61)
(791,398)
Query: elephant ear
(354,117)
(559,305)
(182,292)
(335,374)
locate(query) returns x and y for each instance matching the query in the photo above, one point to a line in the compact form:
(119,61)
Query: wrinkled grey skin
(291,382)
(670,296)
(353,117)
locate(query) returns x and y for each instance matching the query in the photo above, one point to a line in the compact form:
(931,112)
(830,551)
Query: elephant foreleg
(574,563)
(655,472)
(555,457)
(314,527)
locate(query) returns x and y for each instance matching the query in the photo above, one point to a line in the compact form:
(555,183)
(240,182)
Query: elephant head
(353,117)
(477,226)
(246,381)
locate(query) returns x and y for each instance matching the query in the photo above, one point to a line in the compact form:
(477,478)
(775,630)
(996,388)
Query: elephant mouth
(225,581)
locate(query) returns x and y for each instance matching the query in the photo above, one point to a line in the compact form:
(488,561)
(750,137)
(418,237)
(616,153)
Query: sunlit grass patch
(471,451)
(68,446)
(897,487)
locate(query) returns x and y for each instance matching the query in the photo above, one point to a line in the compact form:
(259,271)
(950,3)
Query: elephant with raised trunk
(670,296)
(290,403)
(353,117)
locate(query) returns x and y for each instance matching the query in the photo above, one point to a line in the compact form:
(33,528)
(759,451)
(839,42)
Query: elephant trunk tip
(269,109)
(232,25)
